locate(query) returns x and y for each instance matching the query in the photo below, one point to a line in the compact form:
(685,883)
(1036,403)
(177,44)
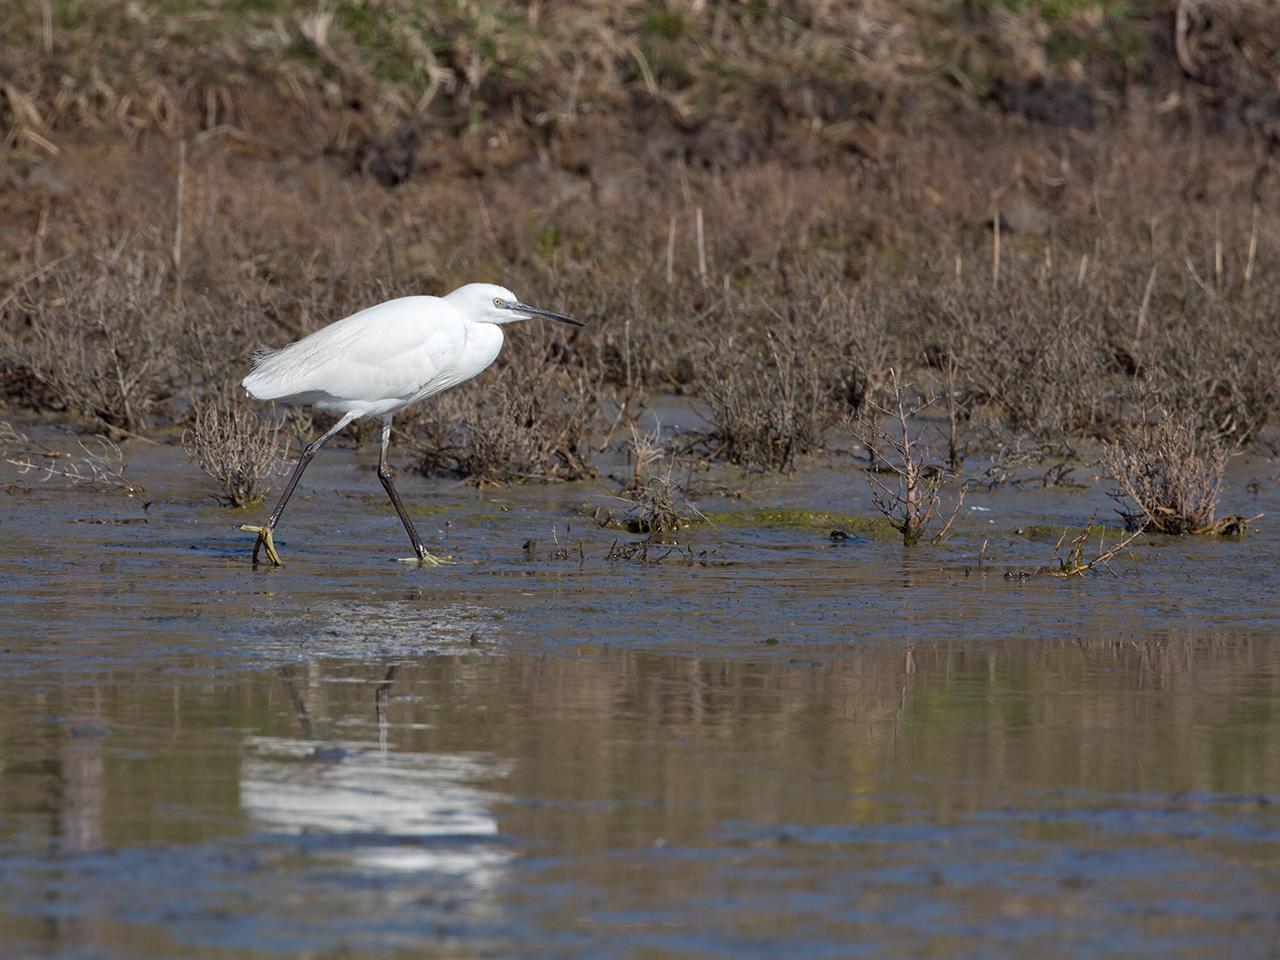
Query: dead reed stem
(995,251)
(177,206)
(1145,306)
(1253,247)
(702,248)
(1074,565)
(671,253)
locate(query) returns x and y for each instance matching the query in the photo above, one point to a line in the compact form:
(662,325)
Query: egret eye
(497,301)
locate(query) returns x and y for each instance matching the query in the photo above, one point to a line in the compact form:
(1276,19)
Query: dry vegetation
(91,341)
(96,462)
(653,490)
(234,445)
(533,422)
(1169,474)
(765,206)
(911,499)
(1082,556)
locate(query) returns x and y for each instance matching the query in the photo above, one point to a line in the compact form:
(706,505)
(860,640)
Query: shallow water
(788,747)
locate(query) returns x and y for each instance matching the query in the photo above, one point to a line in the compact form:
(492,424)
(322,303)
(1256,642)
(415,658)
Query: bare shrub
(234,445)
(214,337)
(102,343)
(765,401)
(658,506)
(957,412)
(846,331)
(1033,354)
(651,335)
(532,421)
(1218,363)
(637,551)
(912,501)
(1169,474)
(1015,459)
(810,357)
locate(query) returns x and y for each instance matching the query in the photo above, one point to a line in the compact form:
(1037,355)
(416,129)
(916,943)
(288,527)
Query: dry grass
(769,243)
(99,339)
(1082,556)
(527,421)
(912,499)
(802,309)
(1080,560)
(1169,474)
(234,445)
(713,85)
(96,462)
(658,507)
(765,402)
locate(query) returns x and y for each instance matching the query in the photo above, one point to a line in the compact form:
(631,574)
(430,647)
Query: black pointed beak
(548,314)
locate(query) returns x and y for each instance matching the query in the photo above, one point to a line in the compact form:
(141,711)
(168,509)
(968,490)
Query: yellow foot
(427,560)
(264,540)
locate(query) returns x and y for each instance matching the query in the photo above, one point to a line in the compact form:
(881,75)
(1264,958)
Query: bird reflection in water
(375,809)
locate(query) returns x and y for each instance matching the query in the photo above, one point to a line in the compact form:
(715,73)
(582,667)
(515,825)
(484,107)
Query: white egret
(380,360)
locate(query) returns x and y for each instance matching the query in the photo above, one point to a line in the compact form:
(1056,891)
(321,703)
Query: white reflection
(396,812)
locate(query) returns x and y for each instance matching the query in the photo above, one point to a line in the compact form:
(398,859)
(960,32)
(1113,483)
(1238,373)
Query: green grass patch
(662,23)
(788,518)
(1061,9)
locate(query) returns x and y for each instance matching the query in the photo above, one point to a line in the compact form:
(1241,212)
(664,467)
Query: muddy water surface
(786,747)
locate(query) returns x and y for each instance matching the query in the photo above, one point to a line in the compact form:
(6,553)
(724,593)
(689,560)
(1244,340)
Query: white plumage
(380,360)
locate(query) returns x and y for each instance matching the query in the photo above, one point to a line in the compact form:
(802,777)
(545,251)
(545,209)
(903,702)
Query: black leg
(386,475)
(308,453)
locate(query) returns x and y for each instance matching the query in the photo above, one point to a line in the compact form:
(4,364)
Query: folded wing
(396,350)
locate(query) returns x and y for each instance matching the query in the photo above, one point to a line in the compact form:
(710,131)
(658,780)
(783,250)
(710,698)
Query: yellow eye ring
(497,301)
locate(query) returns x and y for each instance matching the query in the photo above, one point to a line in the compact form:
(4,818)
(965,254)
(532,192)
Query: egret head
(490,303)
